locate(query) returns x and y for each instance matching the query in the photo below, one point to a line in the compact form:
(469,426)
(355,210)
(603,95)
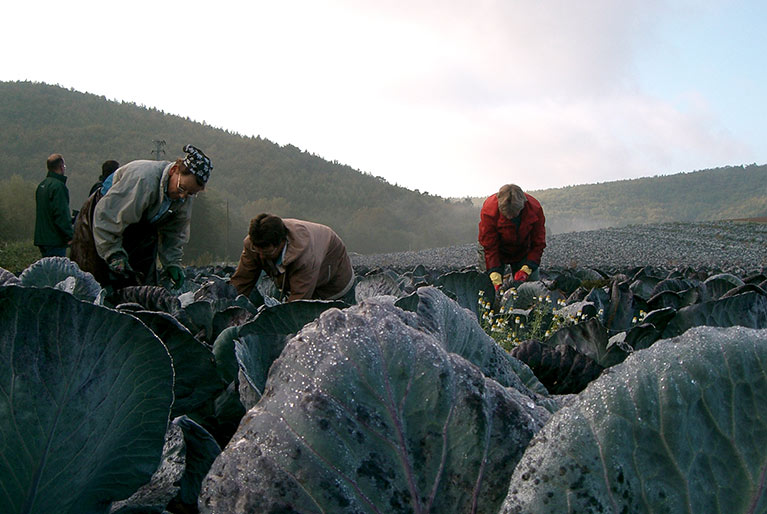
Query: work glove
(496,279)
(523,273)
(176,275)
(118,264)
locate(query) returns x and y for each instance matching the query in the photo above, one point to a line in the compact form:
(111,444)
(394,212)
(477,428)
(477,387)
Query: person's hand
(176,275)
(496,279)
(523,273)
(119,265)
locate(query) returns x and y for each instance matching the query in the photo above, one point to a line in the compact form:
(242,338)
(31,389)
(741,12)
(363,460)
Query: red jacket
(504,242)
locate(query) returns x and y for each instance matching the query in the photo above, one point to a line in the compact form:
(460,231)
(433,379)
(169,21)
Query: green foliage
(17,208)
(62,273)
(251,174)
(16,256)
(678,427)
(510,326)
(86,397)
(721,193)
(261,340)
(371,414)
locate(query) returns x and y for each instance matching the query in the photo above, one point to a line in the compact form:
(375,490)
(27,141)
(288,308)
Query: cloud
(545,95)
(450,97)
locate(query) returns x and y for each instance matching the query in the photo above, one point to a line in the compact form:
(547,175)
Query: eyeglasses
(181,189)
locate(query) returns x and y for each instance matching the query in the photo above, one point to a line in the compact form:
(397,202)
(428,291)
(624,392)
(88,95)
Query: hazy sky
(451,97)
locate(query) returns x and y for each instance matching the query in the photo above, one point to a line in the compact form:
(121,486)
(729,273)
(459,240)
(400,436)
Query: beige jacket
(315,264)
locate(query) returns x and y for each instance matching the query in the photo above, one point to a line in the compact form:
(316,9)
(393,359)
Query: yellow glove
(496,279)
(523,273)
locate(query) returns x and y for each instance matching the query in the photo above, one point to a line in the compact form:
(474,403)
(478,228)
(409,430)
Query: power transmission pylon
(159,148)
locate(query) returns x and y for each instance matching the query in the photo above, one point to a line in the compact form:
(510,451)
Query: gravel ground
(737,247)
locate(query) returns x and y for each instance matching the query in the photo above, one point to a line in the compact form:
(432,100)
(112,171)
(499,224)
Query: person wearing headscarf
(512,231)
(141,213)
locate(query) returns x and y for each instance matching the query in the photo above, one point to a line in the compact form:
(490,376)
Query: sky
(450,97)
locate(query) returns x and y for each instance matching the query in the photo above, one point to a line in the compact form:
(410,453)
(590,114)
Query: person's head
(189,174)
(267,233)
(56,164)
(182,183)
(511,200)
(108,168)
(198,164)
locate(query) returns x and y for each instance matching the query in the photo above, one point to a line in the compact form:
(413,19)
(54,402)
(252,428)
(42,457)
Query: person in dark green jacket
(53,220)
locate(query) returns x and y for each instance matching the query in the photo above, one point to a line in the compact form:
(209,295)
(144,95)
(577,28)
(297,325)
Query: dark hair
(108,168)
(55,161)
(267,229)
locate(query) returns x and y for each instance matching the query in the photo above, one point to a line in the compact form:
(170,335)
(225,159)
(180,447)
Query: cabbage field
(643,390)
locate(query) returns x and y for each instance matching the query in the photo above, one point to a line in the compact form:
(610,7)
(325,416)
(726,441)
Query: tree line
(253,175)
(714,194)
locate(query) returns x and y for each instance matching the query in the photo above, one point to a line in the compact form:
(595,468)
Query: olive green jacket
(53,219)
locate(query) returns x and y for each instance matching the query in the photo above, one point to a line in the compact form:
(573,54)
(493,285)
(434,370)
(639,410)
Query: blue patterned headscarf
(198,163)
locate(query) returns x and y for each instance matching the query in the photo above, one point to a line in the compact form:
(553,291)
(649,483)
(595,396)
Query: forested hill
(707,195)
(253,174)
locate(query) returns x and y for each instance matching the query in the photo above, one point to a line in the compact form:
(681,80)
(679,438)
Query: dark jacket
(519,241)
(315,264)
(95,187)
(53,219)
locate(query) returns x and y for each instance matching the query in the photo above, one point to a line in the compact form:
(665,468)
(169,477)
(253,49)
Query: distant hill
(707,195)
(252,175)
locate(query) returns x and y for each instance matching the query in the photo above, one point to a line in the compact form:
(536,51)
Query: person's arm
(62,217)
(490,239)
(538,239)
(247,273)
(174,234)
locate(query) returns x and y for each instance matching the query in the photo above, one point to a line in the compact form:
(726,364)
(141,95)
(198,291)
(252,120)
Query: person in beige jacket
(305,260)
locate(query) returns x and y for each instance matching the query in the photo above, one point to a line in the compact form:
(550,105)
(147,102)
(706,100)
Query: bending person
(142,213)
(305,260)
(512,231)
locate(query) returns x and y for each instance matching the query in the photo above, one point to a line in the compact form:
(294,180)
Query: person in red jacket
(512,230)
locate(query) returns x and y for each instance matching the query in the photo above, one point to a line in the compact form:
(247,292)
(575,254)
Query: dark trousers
(53,251)
(140,242)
